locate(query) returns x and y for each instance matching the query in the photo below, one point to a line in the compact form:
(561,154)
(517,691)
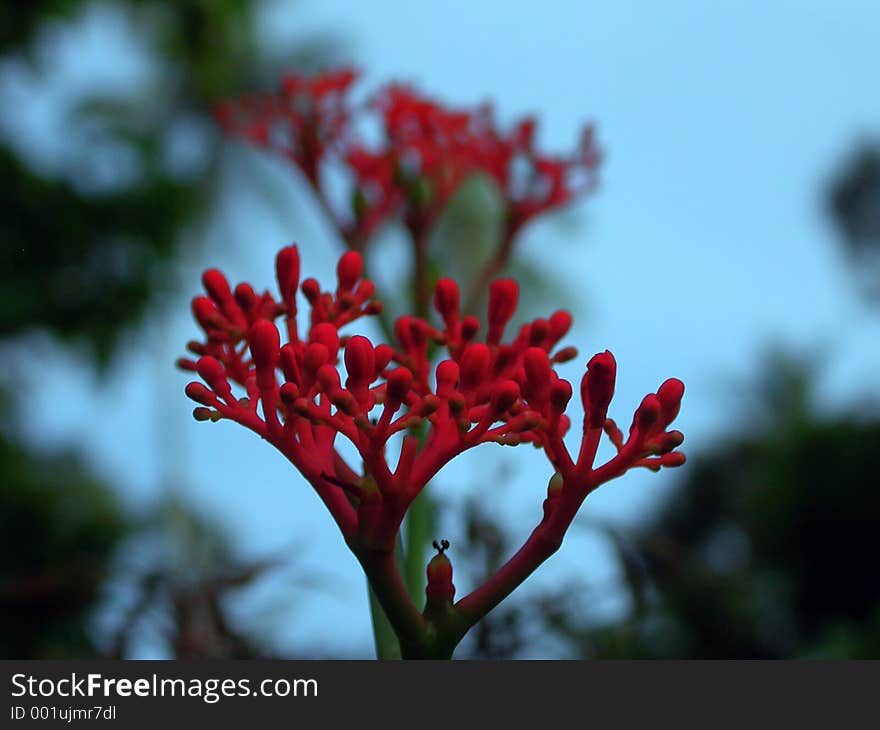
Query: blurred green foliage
(853,200)
(59,527)
(84,261)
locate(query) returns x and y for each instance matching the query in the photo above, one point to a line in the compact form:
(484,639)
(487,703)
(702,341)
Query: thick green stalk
(387,645)
(420,521)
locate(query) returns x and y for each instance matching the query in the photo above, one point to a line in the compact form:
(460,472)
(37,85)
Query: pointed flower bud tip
(327,335)
(537,368)
(399,383)
(566,354)
(469,327)
(503,297)
(670,395)
(504,395)
(446,299)
(315,356)
(560,395)
(211,371)
(560,324)
(474,366)
(245,296)
(360,359)
(447,376)
(597,387)
(287,272)
(328,377)
(349,270)
(676,458)
(311,290)
(265,344)
(383,355)
(205,311)
(648,413)
(216,285)
(199,393)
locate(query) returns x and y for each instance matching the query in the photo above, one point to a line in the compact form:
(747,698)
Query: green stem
(387,645)
(420,521)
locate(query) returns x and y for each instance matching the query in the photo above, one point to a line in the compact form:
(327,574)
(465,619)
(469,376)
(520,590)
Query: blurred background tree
(87,246)
(853,200)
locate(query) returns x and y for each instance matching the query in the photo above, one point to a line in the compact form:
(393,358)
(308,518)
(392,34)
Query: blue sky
(721,122)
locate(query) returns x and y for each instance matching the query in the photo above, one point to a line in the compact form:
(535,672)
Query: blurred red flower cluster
(426,153)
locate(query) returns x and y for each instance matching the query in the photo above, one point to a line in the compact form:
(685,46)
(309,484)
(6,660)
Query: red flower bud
(245,296)
(560,395)
(504,395)
(315,356)
(669,441)
(206,313)
(676,458)
(200,394)
(469,328)
(383,354)
(328,378)
(440,588)
(648,413)
(538,331)
(289,393)
(365,290)
(265,345)
(430,404)
(670,395)
(537,369)
(287,361)
(311,290)
(566,354)
(447,378)
(287,271)
(360,361)
(560,324)
(446,300)
(327,335)
(474,366)
(597,387)
(349,270)
(211,371)
(404,331)
(399,384)
(505,356)
(503,296)
(216,286)
(344,401)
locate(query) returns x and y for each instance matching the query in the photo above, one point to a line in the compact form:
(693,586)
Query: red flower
(428,151)
(304,118)
(504,389)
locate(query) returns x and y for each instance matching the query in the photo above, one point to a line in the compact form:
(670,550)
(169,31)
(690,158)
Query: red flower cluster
(500,389)
(427,153)
(305,118)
